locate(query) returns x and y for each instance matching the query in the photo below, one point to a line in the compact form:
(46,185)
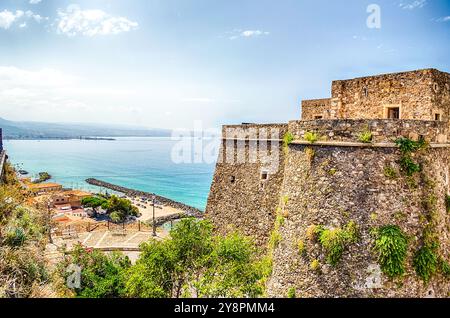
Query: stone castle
(340,164)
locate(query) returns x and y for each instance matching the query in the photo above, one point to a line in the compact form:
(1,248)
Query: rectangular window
(393,113)
(318,117)
(264,175)
(437,117)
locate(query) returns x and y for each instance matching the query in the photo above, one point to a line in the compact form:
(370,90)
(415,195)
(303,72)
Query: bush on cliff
(23,269)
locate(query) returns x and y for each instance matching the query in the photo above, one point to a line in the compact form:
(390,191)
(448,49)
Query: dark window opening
(318,117)
(232,179)
(264,175)
(437,117)
(394,113)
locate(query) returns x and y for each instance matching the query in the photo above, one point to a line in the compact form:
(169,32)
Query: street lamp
(154,223)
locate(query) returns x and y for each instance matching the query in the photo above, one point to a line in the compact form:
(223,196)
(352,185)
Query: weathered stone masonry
(339,179)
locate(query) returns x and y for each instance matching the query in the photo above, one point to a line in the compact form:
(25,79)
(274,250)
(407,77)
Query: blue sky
(168,63)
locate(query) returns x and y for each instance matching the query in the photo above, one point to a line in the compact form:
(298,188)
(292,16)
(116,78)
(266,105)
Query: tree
(94,203)
(119,209)
(194,263)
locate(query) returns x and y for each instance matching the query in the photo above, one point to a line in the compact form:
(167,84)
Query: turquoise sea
(134,162)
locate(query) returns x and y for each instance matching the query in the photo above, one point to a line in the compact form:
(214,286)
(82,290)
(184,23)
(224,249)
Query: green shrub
(301,248)
(447,203)
(365,137)
(315,265)
(291,293)
(444,267)
(311,137)
(408,166)
(15,237)
(288,138)
(391,245)
(425,263)
(407,145)
(335,241)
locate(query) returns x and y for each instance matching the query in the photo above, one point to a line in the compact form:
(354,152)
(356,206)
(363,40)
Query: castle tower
(341,179)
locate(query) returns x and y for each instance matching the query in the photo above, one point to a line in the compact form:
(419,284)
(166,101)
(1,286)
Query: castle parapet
(272,132)
(383,130)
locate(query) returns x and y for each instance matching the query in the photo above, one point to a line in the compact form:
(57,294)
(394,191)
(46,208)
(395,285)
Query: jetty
(188,210)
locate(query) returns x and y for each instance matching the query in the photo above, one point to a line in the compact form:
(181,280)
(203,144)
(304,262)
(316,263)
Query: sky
(173,63)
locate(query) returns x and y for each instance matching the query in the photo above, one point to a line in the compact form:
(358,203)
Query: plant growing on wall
(426,262)
(447,203)
(407,147)
(311,137)
(288,138)
(334,241)
(365,137)
(391,245)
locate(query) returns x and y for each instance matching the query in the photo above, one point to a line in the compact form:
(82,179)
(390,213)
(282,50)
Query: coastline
(190,211)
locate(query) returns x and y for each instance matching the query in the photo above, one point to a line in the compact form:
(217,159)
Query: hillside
(41,130)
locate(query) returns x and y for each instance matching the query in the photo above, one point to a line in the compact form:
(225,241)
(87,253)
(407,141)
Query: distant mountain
(40,130)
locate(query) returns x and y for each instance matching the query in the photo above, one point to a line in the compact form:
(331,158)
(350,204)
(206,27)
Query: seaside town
(82,217)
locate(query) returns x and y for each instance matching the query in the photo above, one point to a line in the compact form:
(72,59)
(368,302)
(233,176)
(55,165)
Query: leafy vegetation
(334,241)
(365,137)
(119,209)
(444,267)
(43,176)
(407,147)
(288,138)
(311,137)
(391,245)
(102,275)
(191,263)
(23,269)
(426,262)
(291,293)
(389,172)
(447,203)
(315,265)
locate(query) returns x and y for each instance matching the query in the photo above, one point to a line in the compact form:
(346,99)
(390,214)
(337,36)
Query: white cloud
(75,21)
(444,19)
(417,4)
(35,1)
(8,18)
(247,34)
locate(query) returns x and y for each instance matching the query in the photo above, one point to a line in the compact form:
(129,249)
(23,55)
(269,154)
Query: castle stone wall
(239,199)
(382,130)
(311,109)
(343,184)
(419,94)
